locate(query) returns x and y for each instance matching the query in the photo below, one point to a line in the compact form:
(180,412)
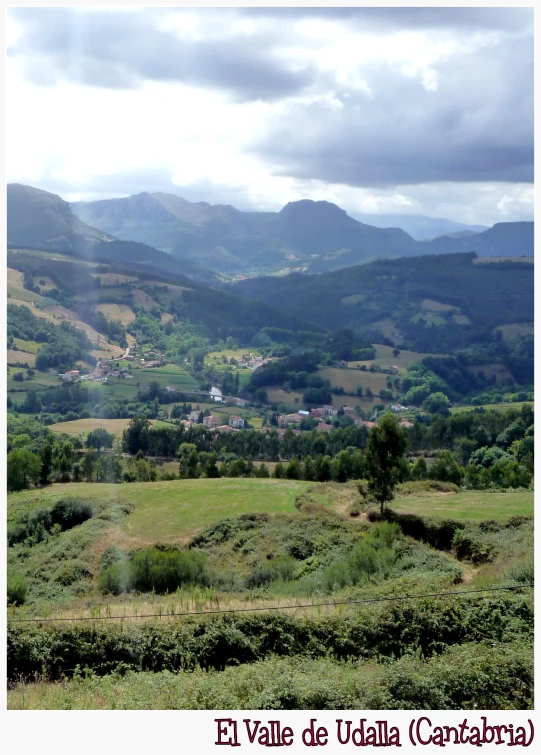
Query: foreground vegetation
(115,512)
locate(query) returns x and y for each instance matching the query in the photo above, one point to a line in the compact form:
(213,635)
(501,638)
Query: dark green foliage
(23,469)
(389,287)
(384,453)
(17,589)
(155,569)
(99,438)
(63,515)
(62,346)
(390,631)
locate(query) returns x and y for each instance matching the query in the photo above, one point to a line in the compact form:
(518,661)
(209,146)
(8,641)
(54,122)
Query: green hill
(37,218)
(433,303)
(304,235)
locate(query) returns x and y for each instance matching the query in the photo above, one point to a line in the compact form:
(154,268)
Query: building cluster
(102,372)
(252,363)
(321,414)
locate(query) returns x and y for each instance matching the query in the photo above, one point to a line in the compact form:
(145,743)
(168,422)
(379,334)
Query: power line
(280,608)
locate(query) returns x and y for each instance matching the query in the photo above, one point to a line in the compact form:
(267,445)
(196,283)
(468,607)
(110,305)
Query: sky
(380,110)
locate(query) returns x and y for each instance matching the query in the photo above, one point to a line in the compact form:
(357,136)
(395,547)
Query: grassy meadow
(270,543)
(84,426)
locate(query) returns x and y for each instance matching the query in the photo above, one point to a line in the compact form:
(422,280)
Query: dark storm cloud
(121,50)
(478,126)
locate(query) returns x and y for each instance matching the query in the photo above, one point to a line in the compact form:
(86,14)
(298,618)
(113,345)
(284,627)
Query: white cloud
(69,135)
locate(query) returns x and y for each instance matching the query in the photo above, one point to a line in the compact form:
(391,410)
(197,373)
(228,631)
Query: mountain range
(198,239)
(419,227)
(305,235)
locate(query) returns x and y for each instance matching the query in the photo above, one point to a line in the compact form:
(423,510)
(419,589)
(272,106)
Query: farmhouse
(330,411)
(240,402)
(349,410)
(70,375)
(324,427)
(194,416)
(226,429)
(364,423)
(212,421)
(235,421)
(397,408)
(288,419)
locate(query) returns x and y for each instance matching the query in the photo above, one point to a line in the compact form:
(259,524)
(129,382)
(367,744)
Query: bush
(470,547)
(156,569)
(72,571)
(40,523)
(524,573)
(260,576)
(392,630)
(17,589)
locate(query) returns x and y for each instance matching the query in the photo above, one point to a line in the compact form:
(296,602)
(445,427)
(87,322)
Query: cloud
(387,19)
(425,110)
(473,123)
(122,50)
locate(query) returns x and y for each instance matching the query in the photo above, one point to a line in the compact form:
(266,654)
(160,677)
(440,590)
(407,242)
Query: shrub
(17,589)
(522,573)
(389,631)
(260,576)
(72,571)
(40,523)
(470,547)
(114,579)
(156,569)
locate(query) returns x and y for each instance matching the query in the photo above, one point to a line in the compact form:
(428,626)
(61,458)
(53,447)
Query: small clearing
(121,312)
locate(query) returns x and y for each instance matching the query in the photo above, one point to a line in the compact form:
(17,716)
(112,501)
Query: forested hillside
(434,303)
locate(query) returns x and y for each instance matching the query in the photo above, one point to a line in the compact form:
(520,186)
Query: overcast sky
(419,110)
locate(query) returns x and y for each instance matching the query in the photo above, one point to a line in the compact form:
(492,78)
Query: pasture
(431,305)
(384,357)
(175,510)
(503,407)
(468,505)
(349,379)
(516,329)
(14,356)
(170,374)
(31,346)
(121,312)
(84,426)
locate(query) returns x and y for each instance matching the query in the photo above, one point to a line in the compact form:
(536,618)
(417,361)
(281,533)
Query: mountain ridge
(308,235)
(197,238)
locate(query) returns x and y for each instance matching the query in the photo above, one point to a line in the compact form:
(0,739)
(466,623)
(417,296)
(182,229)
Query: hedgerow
(424,626)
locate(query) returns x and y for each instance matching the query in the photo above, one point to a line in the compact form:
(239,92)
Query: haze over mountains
(314,236)
(419,227)
(186,237)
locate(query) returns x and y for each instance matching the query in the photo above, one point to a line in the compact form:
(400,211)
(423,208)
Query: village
(108,371)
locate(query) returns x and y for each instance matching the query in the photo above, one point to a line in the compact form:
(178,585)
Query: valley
(181,445)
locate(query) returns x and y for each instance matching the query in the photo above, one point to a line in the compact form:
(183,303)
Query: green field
(489,407)
(474,505)
(384,357)
(84,426)
(349,379)
(177,509)
(168,375)
(31,346)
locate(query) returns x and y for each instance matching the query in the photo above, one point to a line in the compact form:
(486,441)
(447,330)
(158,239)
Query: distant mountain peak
(307,207)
